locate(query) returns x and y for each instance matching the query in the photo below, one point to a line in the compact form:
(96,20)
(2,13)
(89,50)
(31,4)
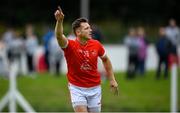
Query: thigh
(94,100)
(77,96)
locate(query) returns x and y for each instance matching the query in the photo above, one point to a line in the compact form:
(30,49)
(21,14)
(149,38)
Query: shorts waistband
(84,87)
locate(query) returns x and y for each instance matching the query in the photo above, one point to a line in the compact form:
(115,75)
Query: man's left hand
(114,87)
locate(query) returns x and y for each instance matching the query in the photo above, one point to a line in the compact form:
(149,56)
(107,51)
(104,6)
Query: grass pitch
(48,93)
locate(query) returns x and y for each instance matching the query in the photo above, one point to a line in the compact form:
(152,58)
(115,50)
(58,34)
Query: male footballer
(81,56)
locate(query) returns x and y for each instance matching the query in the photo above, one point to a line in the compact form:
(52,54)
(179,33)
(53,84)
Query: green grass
(49,93)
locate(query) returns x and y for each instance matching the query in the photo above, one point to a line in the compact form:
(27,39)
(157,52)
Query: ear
(78,32)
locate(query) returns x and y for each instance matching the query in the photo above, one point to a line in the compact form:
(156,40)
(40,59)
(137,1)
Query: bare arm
(108,67)
(62,40)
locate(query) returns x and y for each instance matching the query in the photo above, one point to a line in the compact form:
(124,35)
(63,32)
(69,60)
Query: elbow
(105,59)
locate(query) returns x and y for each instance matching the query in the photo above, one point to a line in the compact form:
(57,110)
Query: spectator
(142,52)
(132,43)
(55,56)
(173,34)
(16,50)
(31,45)
(7,39)
(46,38)
(3,60)
(96,33)
(163,46)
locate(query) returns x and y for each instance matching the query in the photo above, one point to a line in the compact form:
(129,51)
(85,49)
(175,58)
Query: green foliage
(115,31)
(48,93)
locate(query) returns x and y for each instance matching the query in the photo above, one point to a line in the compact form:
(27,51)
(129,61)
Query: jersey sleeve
(69,43)
(101,52)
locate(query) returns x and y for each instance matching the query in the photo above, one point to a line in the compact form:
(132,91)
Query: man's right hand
(59,14)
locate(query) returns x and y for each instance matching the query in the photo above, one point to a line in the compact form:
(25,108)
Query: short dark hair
(77,23)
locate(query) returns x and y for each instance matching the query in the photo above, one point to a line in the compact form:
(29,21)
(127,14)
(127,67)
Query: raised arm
(62,40)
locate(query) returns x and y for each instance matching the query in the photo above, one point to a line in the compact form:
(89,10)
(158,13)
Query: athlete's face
(85,31)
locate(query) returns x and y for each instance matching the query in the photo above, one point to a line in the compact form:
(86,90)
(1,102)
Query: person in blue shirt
(46,39)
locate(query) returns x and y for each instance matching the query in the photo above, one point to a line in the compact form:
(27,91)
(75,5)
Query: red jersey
(82,62)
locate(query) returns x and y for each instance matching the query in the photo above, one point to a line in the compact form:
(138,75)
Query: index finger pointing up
(59,8)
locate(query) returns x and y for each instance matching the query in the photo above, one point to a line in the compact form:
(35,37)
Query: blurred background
(117,13)
(141,37)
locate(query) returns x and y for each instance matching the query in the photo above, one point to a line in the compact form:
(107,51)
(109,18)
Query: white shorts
(90,97)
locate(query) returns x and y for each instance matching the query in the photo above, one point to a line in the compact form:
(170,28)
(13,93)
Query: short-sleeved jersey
(82,62)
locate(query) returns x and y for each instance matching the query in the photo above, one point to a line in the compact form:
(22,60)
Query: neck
(82,40)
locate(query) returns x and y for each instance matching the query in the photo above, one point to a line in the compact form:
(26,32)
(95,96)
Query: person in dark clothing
(96,33)
(163,47)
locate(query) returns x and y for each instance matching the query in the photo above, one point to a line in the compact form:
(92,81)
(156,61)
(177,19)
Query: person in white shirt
(31,45)
(173,34)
